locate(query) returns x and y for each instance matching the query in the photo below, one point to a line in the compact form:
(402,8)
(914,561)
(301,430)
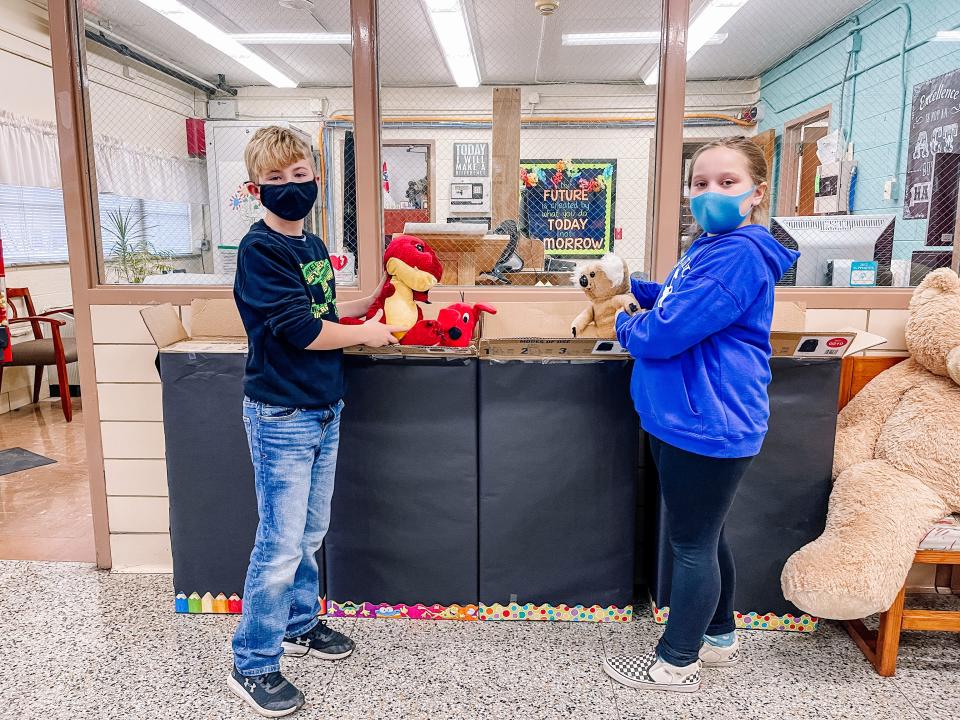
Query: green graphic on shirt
(320,272)
(320,310)
(317,272)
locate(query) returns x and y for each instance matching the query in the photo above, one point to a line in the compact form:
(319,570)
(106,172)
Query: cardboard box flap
(163,324)
(789,317)
(216,318)
(532,320)
(863,340)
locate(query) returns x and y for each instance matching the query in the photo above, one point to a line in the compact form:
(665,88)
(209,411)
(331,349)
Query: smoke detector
(296,4)
(546,7)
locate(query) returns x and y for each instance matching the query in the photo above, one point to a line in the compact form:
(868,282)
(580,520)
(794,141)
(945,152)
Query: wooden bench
(881,646)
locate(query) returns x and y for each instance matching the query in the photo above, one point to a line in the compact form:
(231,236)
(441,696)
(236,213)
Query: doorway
(798,166)
(408,186)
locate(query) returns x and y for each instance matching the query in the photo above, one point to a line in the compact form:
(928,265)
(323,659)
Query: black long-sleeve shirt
(285,291)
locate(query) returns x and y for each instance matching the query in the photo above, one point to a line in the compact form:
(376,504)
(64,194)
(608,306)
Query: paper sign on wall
(569,205)
(934,126)
(471,159)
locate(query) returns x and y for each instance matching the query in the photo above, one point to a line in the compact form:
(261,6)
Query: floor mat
(17,459)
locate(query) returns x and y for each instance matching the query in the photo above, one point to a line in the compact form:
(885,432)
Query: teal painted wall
(871,107)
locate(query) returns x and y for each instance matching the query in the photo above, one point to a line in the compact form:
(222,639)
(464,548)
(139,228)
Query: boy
(285,293)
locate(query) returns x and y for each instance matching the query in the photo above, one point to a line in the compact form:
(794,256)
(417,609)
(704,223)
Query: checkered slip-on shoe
(649,672)
(716,656)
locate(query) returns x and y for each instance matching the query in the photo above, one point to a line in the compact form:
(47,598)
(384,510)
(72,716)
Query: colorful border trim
(194,604)
(756,621)
(197,604)
(467,613)
(562,613)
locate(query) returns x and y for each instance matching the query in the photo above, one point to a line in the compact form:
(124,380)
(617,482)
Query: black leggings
(697,493)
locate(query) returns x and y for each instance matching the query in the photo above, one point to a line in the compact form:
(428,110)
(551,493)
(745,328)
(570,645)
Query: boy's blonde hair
(274,148)
(756,164)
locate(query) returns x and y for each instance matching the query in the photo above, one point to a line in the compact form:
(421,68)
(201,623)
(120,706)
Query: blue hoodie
(703,349)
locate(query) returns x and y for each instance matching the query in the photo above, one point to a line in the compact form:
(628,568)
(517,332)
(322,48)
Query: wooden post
(505,191)
(668,162)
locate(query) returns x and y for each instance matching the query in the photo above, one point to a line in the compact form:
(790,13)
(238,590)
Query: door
(809,162)
(766,141)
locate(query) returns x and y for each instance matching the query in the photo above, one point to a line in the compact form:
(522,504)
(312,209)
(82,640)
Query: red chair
(41,351)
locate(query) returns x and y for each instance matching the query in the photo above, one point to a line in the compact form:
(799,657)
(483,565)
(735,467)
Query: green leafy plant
(132,255)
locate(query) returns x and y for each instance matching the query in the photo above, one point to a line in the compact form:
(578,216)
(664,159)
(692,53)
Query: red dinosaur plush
(413,268)
(453,327)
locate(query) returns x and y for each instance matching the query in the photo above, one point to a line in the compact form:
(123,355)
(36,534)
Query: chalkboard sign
(569,205)
(934,125)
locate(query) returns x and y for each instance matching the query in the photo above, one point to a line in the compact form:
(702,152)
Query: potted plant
(132,254)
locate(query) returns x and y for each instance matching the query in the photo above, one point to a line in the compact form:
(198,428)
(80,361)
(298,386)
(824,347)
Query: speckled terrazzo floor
(77,643)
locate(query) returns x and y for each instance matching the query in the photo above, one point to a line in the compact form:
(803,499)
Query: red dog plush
(453,327)
(413,268)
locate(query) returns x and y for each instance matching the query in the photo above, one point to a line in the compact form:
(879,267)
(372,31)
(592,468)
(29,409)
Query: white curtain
(124,169)
(28,152)
(28,157)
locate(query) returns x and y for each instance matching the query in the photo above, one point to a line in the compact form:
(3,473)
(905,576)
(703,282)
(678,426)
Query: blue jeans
(697,493)
(294,456)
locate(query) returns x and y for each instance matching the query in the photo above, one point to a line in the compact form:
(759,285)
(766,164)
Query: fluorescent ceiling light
(450,27)
(625,38)
(703,27)
(212,35)
(291,38)
(947,36)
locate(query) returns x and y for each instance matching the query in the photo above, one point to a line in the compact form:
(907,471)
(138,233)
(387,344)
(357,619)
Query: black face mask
(291,201)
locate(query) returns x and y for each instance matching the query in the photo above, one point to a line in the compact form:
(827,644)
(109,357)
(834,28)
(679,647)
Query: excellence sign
(569,205)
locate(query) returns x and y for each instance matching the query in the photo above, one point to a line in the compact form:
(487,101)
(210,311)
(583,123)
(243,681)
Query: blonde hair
(756,166)
(274,148)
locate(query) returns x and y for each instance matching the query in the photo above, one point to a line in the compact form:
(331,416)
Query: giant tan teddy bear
(896,468)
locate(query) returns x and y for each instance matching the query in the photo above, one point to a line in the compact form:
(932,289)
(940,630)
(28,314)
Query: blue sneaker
(321,641)
(270,694)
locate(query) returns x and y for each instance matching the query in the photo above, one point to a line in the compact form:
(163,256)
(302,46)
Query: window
(541,134)
(854,107)
(33,231)
(32,226)
(164,225)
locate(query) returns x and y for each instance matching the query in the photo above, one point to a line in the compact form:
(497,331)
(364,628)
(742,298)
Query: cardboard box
(542,331)
(215,327)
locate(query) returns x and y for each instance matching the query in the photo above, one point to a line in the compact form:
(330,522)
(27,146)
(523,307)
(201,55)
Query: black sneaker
(321,641)
(269,694)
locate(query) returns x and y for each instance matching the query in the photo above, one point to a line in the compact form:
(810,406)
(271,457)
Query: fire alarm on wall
(546,7)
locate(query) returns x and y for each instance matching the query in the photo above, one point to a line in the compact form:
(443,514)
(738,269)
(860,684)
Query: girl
(700,387)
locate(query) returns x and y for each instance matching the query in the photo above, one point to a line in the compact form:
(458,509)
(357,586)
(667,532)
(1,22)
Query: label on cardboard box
(812,345)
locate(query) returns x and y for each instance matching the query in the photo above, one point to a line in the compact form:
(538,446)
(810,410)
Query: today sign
(471,159)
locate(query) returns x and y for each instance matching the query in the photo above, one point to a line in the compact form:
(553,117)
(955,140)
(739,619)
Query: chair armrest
(38,318)
(55,311)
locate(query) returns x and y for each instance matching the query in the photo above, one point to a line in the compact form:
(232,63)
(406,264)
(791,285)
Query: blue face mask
(718,213)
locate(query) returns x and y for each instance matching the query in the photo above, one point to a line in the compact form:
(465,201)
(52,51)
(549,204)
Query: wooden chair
(41,351)
(880,646)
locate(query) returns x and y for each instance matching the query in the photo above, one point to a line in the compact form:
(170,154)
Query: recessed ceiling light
(212,35)
(703,27)
(947,36)
(450,27)
(296,4)
(292,38)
